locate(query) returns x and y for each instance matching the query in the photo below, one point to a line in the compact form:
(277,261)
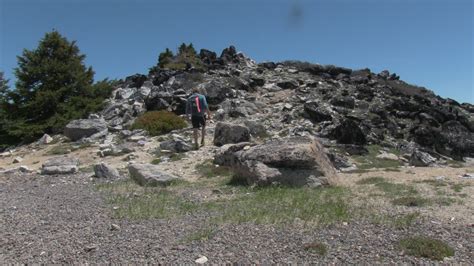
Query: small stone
(114,227)
(17,160)
(24,169)
(90,248)
(201,260)
(45,139)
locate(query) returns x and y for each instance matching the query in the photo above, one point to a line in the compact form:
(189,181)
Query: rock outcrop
(294,161)
(103,170)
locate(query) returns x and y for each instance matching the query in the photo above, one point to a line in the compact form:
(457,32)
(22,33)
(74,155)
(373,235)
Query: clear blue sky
(427,42)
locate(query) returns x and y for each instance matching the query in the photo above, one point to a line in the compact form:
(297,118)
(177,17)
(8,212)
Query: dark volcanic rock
(349,132)
(226,133)
(316,112)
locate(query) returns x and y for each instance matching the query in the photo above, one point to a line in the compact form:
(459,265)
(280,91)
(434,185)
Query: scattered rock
(201,260)
(60,165)
(150,175)
(387,156)
(17,160)
(419,158)
(230,133)
(103,170)
(85,128)
(177,145)
(45,139)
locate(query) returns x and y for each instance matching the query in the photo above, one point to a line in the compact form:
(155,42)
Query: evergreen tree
(53,87)
(165,58)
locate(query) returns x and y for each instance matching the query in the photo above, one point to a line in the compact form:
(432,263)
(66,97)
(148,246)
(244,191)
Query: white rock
(45,139)
(387,156)
(17,160)
(201,260)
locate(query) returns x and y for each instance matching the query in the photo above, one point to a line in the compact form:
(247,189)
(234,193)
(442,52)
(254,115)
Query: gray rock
(45,139)
(226,155)
(419,158)
(17,160)
(103,170)
(82,128)
(175,146)
(60,165)
(294,161)
(256,128)
(226,133)
(150,175)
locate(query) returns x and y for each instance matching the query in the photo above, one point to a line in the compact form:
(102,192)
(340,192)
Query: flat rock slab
(103,170)
(84,128)
(150,175)
(60,165)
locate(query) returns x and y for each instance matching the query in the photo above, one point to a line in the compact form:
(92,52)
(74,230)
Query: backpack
(195,103)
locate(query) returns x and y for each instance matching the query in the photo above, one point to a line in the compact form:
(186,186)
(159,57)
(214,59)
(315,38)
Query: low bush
(421,246)
(159,122)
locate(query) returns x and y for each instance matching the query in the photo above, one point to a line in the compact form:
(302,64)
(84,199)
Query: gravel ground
(64,219)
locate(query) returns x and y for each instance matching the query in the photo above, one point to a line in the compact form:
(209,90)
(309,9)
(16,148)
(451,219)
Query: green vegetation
(421,246)
(209,170)
(53,87)
(156,161)
(406,220)
(159,122)
(66,148)
(186,57)
(411,201)
(203,234)
(135,202)
(272,205)
(316,247)
(371,180)
(371,161)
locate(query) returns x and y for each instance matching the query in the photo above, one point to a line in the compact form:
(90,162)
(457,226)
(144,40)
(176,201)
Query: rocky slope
(345,108)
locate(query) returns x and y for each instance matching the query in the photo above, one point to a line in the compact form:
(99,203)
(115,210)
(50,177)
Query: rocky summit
(345,108)
(302,163)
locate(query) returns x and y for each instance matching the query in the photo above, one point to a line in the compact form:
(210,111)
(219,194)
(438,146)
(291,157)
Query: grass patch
(203,234)
(156,161)
(176,157)
(316,247)
(86,169)
(281,205)
(209,170)
(455,164)
(445,201)
(394,190)
(411,201)
(60,150)
(371,180)
(458,187)
(433,182)
(406,220)
(134,202)
(421,246)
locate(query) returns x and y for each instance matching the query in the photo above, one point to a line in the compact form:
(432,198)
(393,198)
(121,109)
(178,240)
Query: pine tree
(165,58)
(53,87)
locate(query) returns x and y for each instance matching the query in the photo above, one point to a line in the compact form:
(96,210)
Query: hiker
(196,108)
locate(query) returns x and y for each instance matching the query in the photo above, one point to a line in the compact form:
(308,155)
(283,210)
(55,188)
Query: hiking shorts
(198,121)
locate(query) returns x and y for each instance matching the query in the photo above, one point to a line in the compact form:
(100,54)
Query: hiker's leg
(203,134)
(195,132)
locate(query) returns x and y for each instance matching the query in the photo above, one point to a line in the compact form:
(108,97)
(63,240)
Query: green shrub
(159,122)
(426,247)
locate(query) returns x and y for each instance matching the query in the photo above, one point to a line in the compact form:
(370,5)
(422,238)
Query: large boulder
(419,158)
(60,165)
(150,175)
(176,145)
(85,128)
(103,170)
(294,161)
(230,133)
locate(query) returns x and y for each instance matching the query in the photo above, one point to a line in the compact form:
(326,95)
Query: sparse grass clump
(67,148)
(159,122)
(421,246)
(316,247)
(411,201)
(209,170)
(406,220)
(203,234)
(371,180)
